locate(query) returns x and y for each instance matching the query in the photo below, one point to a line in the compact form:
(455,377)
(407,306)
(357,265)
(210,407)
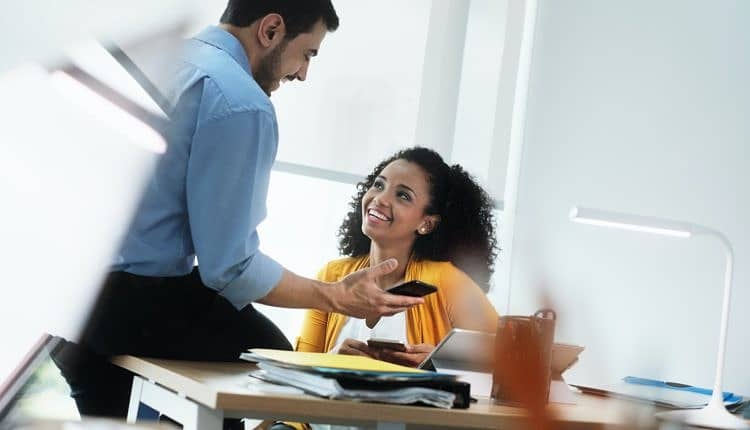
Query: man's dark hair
(299,15)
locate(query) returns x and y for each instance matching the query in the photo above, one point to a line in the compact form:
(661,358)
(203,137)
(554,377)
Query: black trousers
(172,318)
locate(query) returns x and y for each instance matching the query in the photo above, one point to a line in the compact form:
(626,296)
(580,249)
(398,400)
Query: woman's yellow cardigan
(459,300)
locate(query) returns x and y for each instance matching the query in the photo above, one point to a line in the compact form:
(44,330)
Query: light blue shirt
(208,193)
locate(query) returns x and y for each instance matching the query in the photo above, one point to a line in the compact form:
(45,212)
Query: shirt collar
(225,41)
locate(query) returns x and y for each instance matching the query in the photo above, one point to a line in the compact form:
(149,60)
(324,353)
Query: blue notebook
(728,396)
(666,394)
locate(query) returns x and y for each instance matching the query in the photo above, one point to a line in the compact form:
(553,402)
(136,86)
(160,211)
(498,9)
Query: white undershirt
(393,327)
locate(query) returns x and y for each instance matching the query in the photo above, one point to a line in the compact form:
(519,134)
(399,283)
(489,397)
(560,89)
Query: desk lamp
(714,414)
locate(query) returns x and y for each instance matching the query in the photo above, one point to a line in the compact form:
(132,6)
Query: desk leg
(189,414)
(135,399)
(204,418)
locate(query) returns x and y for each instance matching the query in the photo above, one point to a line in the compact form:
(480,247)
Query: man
(206,200)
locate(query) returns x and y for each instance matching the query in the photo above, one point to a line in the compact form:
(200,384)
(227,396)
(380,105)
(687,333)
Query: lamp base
(710,416)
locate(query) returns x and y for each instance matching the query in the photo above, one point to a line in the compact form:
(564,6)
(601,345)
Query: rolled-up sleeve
(227,184)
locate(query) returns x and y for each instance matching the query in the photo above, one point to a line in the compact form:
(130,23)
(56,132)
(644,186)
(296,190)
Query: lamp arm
(717,399)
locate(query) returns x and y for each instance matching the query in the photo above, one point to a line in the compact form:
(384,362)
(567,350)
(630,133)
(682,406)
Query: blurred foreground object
(39,31)
(80,137)
(78,141)
(523,359)
(90,424)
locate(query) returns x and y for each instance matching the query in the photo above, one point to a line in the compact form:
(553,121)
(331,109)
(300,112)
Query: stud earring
(423,230)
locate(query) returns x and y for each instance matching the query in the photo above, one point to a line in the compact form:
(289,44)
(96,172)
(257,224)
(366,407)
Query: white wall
(639,107)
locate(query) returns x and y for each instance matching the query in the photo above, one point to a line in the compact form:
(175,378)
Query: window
(304,214)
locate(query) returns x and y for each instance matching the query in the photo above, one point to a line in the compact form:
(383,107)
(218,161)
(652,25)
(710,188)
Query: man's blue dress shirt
(208,193)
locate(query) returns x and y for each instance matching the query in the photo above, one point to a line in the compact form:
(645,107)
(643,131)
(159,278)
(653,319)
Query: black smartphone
(386,344)
(412,289)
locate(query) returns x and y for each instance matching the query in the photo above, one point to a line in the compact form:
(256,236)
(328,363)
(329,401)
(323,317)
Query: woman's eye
(404,196)
(377,185)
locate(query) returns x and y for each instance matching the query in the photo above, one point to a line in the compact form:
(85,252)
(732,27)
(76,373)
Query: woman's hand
(412,357)
(354,347)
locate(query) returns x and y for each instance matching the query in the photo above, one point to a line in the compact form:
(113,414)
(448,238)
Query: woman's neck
(380,253)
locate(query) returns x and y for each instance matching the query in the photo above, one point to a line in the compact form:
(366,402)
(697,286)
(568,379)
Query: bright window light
(93,58)
(107,112)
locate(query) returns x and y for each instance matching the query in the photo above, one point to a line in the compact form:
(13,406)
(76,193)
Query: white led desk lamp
(714,414)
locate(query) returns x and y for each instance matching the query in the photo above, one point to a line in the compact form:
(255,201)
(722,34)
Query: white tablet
(474,350)
(564,356)
(469,349)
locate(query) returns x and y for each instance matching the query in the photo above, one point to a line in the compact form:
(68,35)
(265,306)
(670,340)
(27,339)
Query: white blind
(361,98)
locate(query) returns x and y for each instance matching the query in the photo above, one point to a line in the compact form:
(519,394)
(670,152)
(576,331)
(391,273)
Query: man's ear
(271,30)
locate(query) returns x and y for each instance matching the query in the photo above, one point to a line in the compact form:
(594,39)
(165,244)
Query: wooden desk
(200,395)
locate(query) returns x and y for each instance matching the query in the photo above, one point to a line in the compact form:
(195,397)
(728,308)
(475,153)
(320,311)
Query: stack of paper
(358,378)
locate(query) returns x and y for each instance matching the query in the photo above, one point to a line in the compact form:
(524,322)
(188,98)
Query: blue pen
(678,386)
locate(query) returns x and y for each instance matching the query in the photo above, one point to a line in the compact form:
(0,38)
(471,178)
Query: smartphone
(412,289)
(386,344)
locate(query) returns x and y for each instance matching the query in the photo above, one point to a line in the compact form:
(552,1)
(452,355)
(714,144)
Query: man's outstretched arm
(357,295)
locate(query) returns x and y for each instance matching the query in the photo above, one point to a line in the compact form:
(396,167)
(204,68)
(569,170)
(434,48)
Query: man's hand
(359,296)
(354,347)
(412,357)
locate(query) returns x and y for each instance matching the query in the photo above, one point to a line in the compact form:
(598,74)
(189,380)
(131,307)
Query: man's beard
(268,73)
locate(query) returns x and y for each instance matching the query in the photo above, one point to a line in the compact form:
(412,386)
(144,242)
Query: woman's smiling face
(393,209)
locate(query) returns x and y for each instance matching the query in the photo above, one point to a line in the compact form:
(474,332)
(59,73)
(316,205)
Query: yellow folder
(336,361)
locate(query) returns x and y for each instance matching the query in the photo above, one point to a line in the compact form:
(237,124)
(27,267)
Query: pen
(675,386)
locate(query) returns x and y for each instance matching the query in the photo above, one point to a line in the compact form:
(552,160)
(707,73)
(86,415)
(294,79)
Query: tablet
(463,348)
(470,349)
(564,356)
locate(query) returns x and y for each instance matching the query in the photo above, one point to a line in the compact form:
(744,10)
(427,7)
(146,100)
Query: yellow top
(459,302)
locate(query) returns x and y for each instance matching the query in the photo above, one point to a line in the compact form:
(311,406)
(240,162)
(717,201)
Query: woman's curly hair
(465,235)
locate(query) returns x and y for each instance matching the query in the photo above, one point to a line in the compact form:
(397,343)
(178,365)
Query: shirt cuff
(260,276)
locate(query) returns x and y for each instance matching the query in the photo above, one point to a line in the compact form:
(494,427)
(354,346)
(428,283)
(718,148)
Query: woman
(438,224)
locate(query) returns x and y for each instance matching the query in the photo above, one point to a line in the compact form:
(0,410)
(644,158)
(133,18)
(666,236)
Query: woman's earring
(422,230)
